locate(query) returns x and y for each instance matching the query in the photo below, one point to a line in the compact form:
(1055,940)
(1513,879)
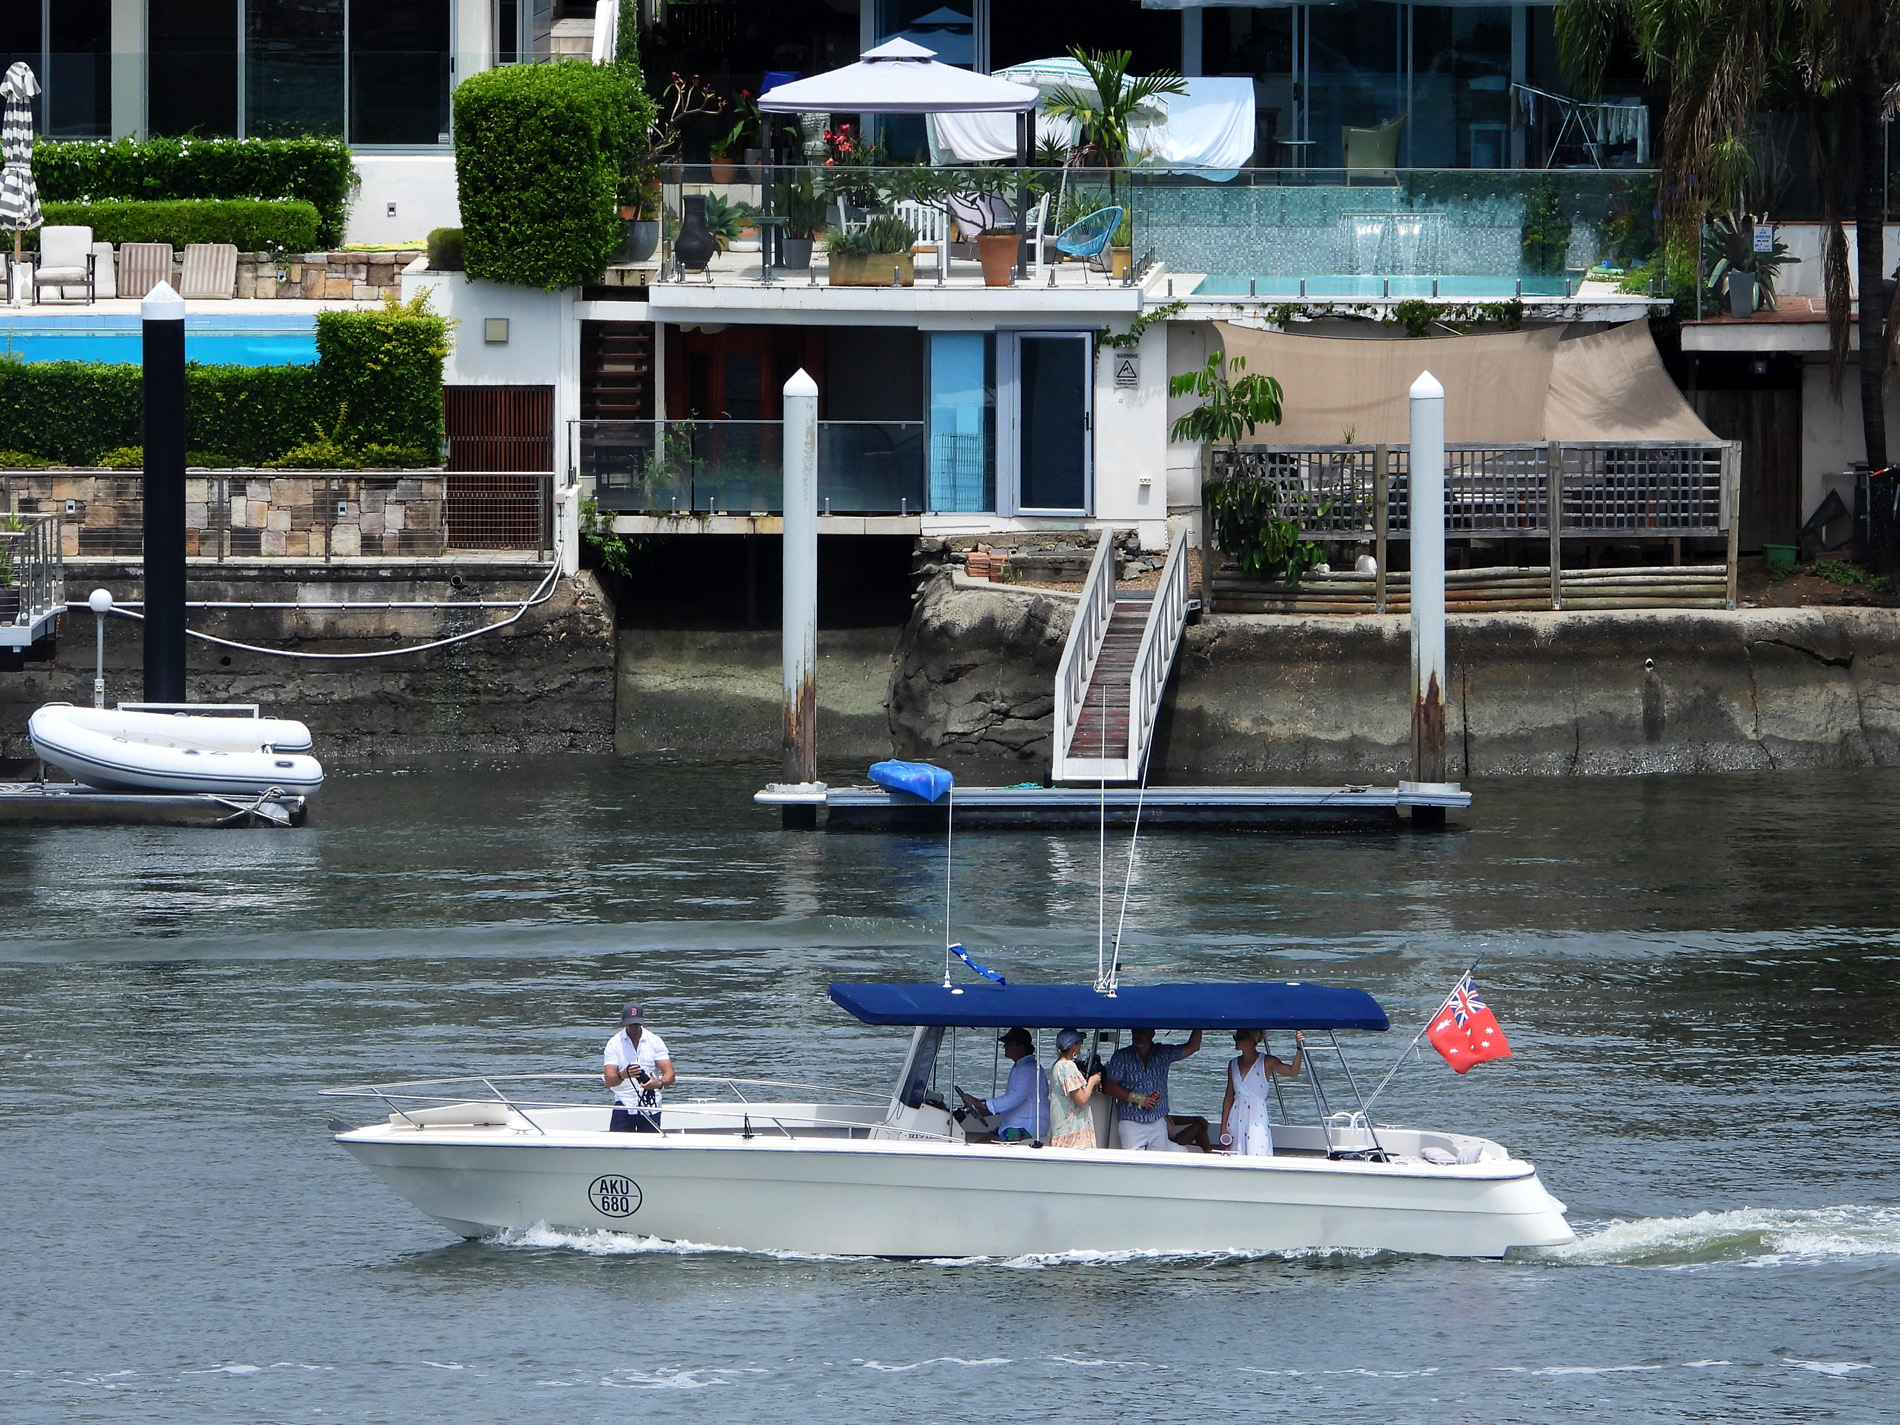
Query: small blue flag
(983,970)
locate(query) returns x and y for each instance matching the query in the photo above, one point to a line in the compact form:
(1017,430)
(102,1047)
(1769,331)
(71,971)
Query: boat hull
(898,1198)
(122,750)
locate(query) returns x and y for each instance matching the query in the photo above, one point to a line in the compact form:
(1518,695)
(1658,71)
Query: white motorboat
(746,1165)
(184,748)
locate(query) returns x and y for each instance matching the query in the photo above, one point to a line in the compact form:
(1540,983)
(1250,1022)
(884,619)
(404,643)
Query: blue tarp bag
(920,779)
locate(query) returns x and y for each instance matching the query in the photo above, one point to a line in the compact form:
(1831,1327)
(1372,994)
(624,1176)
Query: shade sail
(899,78)
(1234,1006)
(1499,386)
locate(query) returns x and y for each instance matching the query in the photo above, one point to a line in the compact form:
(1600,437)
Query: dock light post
(100,602)
(800,651)
(1427,505)
(163,316)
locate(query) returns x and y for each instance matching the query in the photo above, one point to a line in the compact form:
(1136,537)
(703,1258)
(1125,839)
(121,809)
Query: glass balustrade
(737,467)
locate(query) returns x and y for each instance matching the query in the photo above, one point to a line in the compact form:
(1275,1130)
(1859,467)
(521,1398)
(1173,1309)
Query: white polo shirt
(623,1055)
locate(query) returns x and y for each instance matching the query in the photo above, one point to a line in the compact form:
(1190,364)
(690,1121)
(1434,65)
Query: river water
(1697,975)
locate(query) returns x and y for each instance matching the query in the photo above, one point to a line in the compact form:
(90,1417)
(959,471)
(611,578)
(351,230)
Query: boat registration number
(614,1196)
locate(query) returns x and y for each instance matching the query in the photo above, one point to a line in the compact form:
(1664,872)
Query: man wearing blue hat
(637,1068)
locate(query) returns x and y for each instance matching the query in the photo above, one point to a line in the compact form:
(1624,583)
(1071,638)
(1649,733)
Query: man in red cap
(637,1068)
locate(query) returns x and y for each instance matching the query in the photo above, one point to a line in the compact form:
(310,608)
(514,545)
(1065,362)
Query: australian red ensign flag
(1465,1031)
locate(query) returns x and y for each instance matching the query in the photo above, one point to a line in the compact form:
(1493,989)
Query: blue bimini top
(920,779)
(1287,1005)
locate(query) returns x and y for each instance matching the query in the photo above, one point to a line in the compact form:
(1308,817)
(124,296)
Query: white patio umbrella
(19,197)
(899,77)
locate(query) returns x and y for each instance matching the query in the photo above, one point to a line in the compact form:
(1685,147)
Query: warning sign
(1127,370)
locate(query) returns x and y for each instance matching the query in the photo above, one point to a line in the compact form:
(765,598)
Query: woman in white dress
(1244,1127)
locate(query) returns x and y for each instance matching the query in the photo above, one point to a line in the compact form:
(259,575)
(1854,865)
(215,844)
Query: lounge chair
(142,266)
(210,271)
(65,263)
(104,275)
(1373,151)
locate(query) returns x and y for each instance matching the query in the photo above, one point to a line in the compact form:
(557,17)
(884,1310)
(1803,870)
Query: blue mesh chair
(1088,238)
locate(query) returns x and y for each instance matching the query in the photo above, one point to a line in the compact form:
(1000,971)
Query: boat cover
(920,779)
(1245,1006)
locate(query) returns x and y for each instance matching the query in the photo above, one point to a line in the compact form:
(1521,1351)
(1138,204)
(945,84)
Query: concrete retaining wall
(544,684)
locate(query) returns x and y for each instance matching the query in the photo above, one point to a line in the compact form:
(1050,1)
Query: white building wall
(1831,439)
(543,348)
(1131,440)
(419,186)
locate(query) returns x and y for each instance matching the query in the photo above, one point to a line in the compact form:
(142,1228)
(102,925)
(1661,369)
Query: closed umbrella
(19,198)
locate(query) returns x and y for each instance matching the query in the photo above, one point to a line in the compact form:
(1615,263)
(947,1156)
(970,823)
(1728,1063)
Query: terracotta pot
(724,170)
(874,270)
(1120,259)
(997,253)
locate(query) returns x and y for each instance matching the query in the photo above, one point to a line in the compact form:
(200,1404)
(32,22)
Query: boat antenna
(1128,881)
(1367,1103)
(949,831)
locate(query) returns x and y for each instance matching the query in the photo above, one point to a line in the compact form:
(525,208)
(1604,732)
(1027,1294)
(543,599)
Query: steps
(1101,730)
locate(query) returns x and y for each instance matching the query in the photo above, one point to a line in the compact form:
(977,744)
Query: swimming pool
(1470,289)
(235,339)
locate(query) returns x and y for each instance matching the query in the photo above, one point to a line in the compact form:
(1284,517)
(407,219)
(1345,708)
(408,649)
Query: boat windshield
(915,1082)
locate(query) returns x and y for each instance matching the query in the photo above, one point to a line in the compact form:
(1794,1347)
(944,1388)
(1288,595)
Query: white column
(1427,504)
(1191,41)
(128,68)
(800,651)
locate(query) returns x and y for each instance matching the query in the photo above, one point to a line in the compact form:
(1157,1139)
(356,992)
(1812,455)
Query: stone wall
(543,684)
(247,513)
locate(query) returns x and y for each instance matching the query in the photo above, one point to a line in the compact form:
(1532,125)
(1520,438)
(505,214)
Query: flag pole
(1409,1048)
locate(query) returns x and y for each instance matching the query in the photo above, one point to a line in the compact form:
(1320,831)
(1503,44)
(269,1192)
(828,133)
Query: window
(962,393)
(192,67)
(399,71)
(293,68)
(78,75)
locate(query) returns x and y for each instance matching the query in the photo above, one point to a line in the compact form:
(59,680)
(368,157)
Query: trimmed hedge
(253,224)
(312,170)
(377,381)
(538,152)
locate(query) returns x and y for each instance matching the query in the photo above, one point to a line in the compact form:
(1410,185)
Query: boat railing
(407,1098)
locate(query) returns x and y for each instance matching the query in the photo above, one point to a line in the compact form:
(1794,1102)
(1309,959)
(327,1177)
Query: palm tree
(1838,61)
(1106,115)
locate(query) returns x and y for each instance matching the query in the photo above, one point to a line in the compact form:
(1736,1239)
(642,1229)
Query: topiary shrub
(385,365)
(251,224)
(445,250)
(314,170)
(538,149)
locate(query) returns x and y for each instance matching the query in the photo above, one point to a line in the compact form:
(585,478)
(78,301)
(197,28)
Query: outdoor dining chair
(65,263)
(1371,151)
(1088,239)
(932,226)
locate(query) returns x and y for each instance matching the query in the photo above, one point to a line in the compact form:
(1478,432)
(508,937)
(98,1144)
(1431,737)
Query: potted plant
(803,208)
(1751,273)
(639,214)
(1110,103)
(1121,247)
(725,220)
(996,249)
(724,170)
(875,255)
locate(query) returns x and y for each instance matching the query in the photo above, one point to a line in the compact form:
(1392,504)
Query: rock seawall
(543,684)
(974,674)
(1319,699)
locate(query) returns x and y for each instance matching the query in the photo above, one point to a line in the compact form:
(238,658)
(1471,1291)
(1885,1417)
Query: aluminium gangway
(1115,668)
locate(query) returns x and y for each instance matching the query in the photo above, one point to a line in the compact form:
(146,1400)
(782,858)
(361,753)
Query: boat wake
(626,1244)
(1750,1236)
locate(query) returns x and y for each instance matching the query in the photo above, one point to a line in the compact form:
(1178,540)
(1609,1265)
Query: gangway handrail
(1160,640)
(1084,648)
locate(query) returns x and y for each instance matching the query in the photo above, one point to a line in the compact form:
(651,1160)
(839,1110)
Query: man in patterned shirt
(1137,1077)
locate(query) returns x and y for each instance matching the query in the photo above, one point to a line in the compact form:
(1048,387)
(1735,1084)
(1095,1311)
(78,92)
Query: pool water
(1283,288)
(233,339)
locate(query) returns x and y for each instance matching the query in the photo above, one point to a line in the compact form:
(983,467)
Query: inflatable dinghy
(124,749)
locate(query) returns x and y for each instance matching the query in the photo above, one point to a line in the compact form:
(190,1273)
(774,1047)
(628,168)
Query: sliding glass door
(1046,388)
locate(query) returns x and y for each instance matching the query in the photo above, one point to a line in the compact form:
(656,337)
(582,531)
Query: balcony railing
(1252,230)
(738,467)
(1629,489)
(32,576)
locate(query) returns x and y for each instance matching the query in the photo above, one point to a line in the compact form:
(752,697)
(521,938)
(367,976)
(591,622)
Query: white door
(1046,391)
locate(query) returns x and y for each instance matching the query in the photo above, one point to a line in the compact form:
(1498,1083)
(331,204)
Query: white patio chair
(65,262)
(1038,221)
(932,226)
